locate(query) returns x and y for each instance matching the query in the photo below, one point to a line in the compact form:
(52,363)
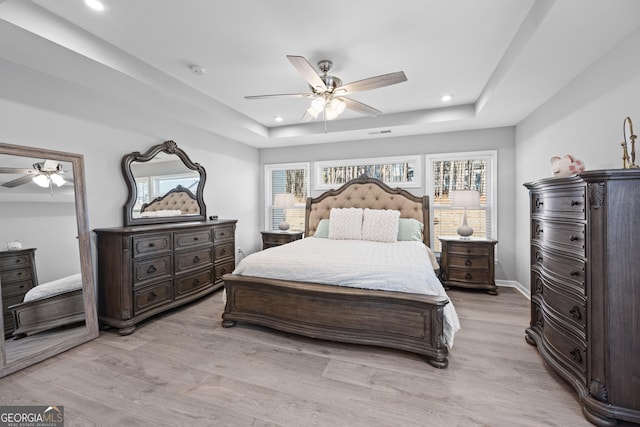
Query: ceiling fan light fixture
(313,113)
(338,106)
(57,179)
(318,105)
(41,180)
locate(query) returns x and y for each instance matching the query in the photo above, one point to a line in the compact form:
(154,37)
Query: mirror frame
(86,260)
(169,147)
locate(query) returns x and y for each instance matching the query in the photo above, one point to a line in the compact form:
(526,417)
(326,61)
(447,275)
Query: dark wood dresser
(468,263)
(145,270)
(17,276)
(585,287)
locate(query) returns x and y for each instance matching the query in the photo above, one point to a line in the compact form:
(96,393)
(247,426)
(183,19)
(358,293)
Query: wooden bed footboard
(410,322)
(47,313)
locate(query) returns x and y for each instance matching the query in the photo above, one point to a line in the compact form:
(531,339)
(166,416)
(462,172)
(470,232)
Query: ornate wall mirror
(164,186)
(46,273)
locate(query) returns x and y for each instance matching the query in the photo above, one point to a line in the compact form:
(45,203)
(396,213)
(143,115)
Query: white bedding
(65,284)
(403,266)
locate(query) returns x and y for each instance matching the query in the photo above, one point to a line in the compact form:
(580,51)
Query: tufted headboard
(178,199)
(365,192)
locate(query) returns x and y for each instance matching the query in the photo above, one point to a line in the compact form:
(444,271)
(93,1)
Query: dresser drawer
(188,239)
(565,236)
(568,308)
(469,276)
(16,261)
(561,203)
(148,297)
(148,269)
(194,259)
(224,268)
(16,288)
(10,300)
(458,248)
(468,262)
(224,250)
(151,244)
(570,271)
(14,275)
(191,283)
(223,233)
(567,349)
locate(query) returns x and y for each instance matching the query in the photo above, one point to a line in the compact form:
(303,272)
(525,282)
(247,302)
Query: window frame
(415,159)
(268,194)
(491,156)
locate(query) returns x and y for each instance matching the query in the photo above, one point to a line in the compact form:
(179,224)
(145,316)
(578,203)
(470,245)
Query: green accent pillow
(323,229)
(410,229)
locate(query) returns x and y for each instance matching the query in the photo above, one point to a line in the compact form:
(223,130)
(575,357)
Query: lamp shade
(465,199)
(284,201)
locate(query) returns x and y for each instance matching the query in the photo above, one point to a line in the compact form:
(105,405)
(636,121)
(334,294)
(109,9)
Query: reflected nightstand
(277,238)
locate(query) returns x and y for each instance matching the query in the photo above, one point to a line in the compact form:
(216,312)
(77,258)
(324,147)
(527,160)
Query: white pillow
(380,225)
(345,224)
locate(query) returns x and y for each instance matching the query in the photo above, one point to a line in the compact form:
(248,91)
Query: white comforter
(401,266)
(66,284)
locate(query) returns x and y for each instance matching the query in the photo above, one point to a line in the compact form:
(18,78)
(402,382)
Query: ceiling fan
(44,174)
(329,94)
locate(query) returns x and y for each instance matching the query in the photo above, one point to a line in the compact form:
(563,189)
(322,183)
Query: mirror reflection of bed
(40,225)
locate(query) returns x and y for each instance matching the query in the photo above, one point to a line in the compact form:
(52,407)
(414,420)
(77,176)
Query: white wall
(500,139)
(584,119)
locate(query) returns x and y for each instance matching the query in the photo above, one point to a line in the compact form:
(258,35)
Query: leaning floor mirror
(46,272)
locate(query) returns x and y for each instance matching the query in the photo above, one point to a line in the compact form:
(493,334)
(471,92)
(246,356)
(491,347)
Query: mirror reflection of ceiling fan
(329,95)
(45,174)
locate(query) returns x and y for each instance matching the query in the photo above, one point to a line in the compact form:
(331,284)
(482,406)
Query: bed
(177,201)
(331,305)
(49,305)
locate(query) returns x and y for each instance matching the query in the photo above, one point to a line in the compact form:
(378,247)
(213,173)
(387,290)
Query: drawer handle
(539,203)
(468,262)
(222,251)
(575,202)
(468,276)
(151,269)
(576,354)
(195,238)
(196,282)
(574,273)
(574,238)
(223,271)
(20,273)
(575,312)
(18,261)
(21,286)
(196,259)
(151,244)
(152,296)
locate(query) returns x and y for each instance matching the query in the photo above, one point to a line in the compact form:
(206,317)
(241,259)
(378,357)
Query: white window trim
(416,160)
(268,196)
(492,156)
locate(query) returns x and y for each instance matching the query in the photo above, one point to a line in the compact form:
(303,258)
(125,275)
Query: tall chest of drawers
(17,276)
(585,287)
(145,270)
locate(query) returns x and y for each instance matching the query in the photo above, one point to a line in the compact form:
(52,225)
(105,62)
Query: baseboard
(514,284)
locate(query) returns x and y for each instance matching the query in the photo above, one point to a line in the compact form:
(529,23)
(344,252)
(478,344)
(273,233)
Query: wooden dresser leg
(228,323)
(438,363)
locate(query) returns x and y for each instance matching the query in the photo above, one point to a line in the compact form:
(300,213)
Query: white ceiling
(501,59)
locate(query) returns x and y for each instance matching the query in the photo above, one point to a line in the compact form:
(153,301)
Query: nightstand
(468,263)
(277,238)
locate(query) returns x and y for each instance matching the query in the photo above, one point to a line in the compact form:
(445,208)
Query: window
(461,171)
(395,171)
(286,178)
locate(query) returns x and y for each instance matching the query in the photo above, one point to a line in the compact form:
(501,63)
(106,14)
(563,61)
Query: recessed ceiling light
(197,70)
(446,98)
(96,5)
(278,118)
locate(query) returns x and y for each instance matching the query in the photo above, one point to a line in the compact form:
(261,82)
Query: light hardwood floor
(184,369)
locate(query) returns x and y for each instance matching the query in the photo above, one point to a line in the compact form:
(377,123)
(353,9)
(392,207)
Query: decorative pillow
(345,224)
(380,225)
(410,229)
(323,229)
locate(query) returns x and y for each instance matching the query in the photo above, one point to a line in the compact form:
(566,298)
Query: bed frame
(61,309)
(403,321)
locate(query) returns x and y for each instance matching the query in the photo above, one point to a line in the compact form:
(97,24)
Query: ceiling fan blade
(18,181)
(359,107)
(371,83)
(20,171)
(308,73)
(281,95)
